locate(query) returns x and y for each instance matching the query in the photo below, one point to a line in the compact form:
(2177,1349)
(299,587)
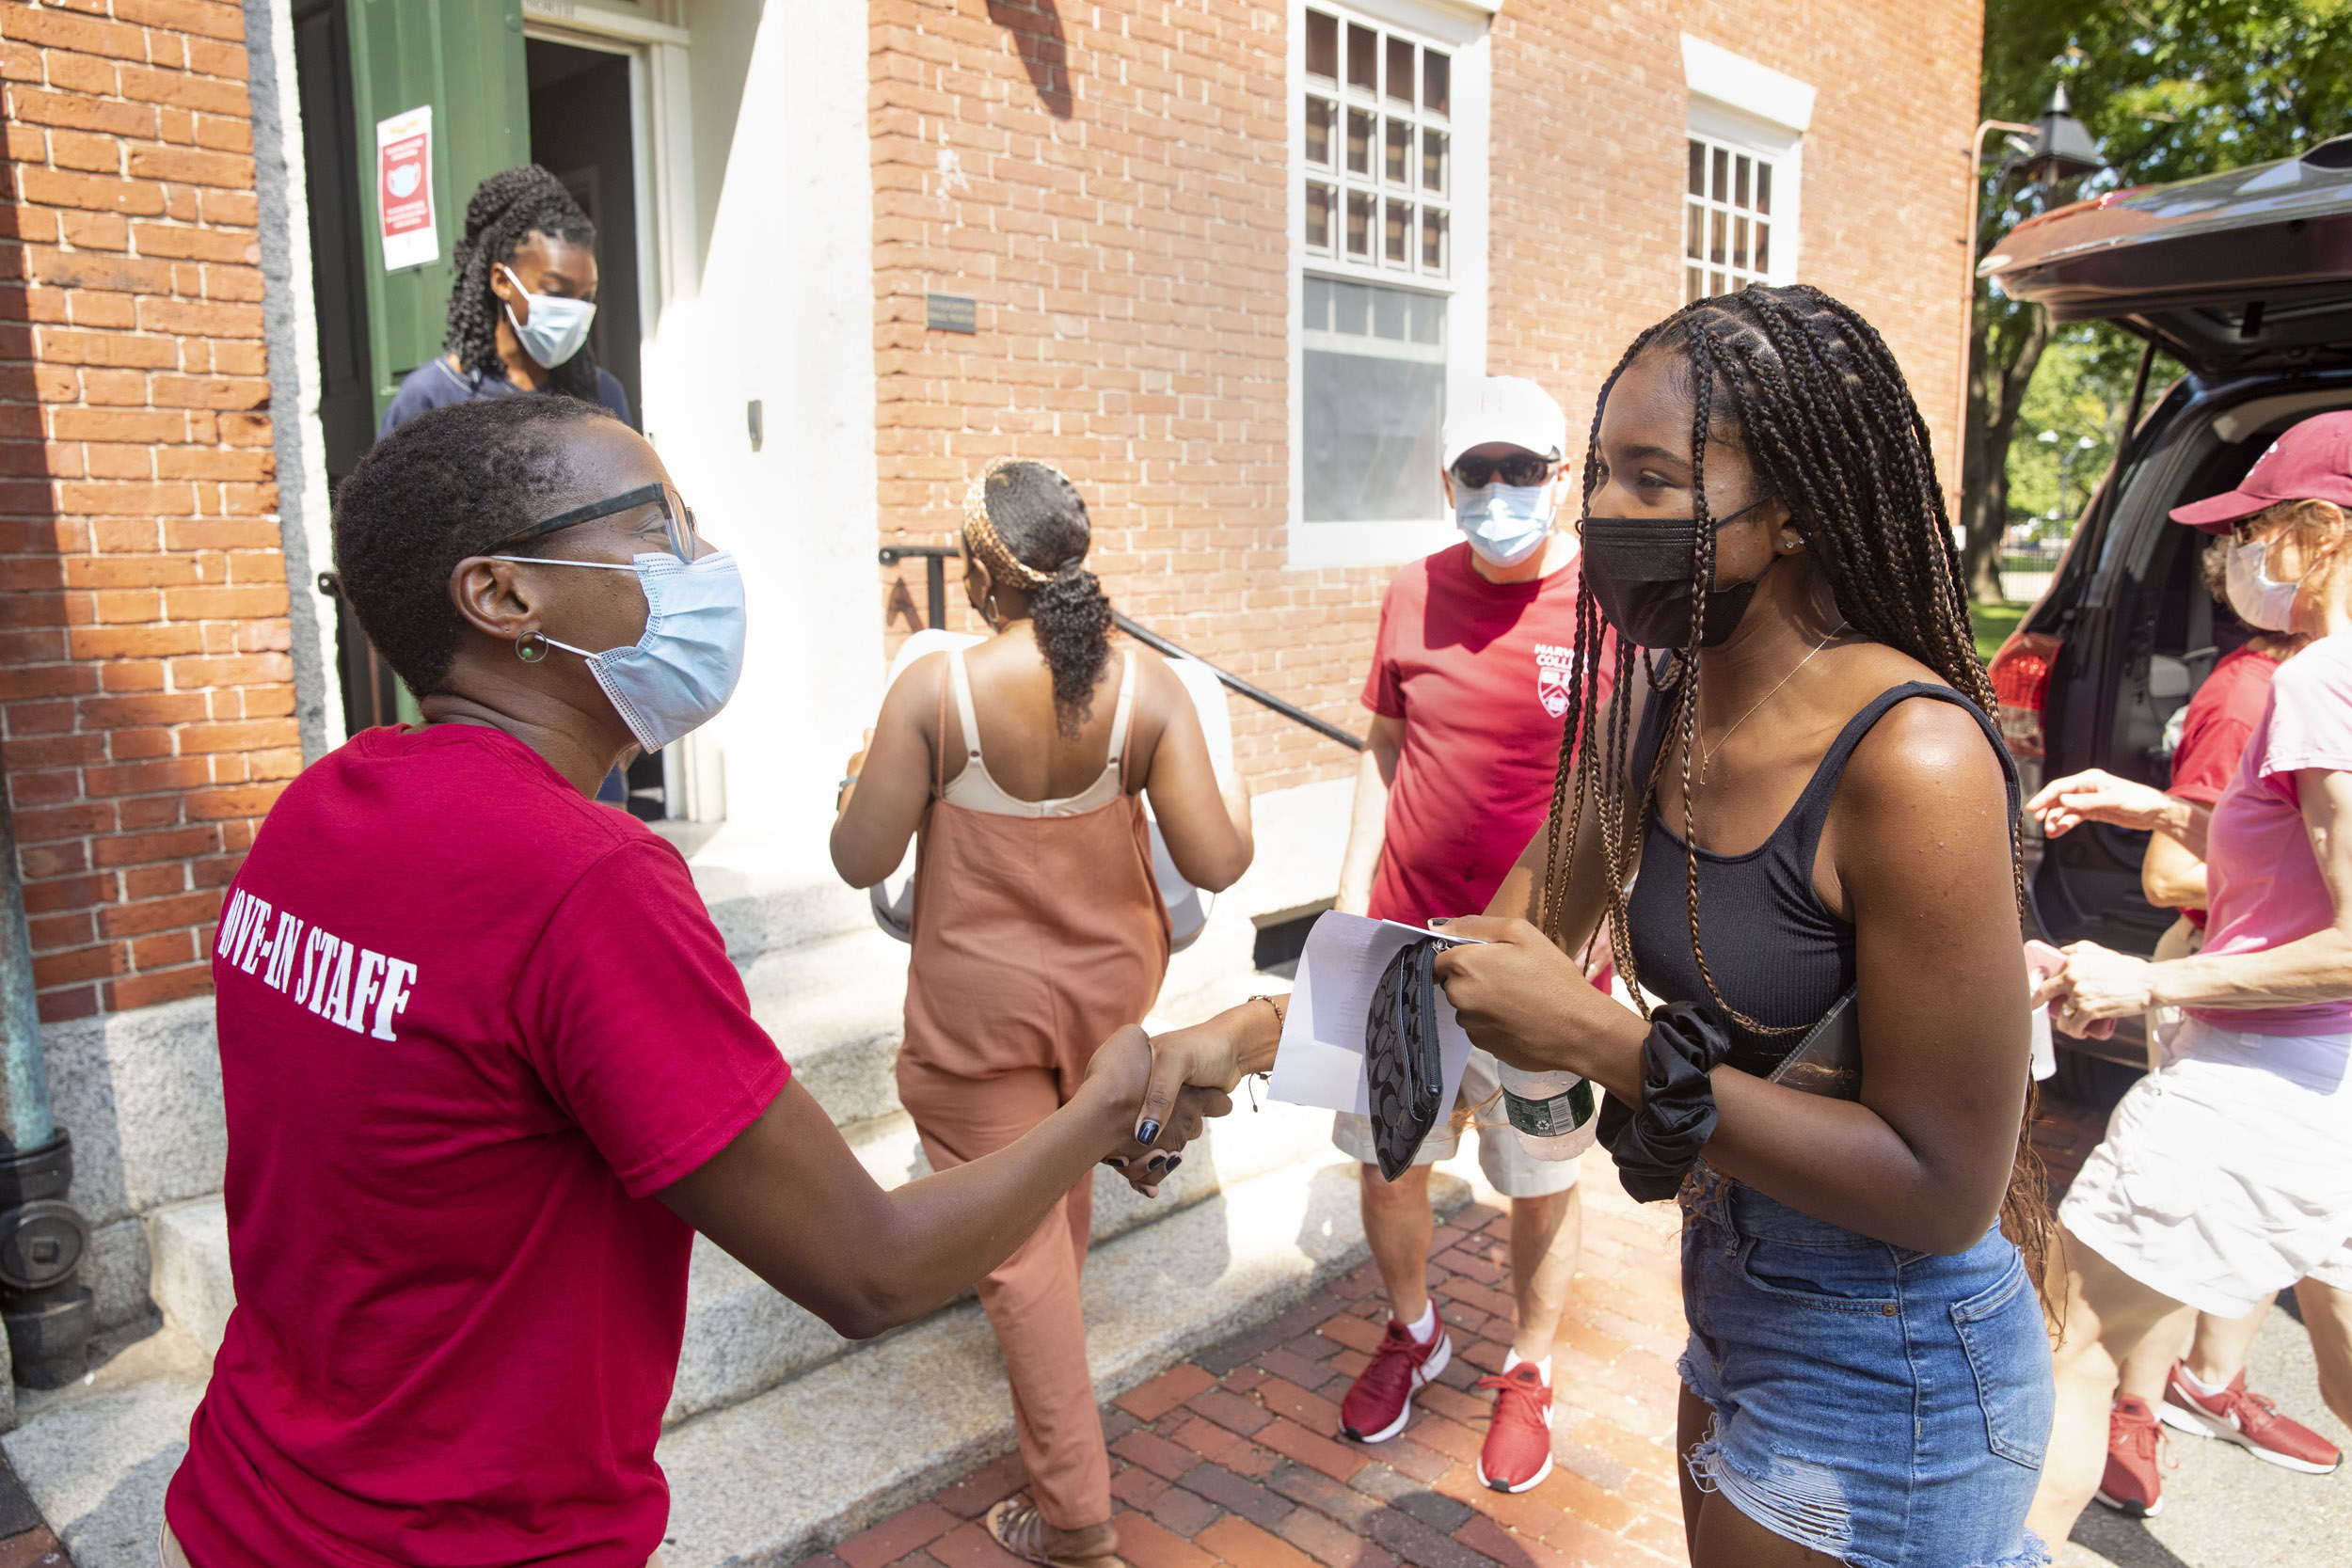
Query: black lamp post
(2061,149)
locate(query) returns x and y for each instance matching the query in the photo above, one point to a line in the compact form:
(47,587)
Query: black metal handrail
(935,559)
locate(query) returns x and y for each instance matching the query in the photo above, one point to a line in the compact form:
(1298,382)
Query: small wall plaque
(951,314)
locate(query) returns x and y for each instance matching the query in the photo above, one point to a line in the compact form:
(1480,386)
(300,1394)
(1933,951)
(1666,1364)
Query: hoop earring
(530,647)
(992,614)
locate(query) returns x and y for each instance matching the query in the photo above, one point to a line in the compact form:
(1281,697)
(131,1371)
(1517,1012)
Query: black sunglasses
(1521,469)
(679,519)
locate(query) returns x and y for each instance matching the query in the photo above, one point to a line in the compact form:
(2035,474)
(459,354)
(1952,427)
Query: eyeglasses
(1521,469)
(679,518)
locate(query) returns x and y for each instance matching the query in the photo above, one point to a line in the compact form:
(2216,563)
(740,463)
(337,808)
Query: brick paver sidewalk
(1230,1456)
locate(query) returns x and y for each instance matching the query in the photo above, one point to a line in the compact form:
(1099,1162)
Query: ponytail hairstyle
(1812,393)
(1026,520)
(508,208)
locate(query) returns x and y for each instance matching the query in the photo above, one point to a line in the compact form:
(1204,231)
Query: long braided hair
(506,208)
(1822,408)
(1028,522)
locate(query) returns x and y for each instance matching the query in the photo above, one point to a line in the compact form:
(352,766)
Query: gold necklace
(1706,753)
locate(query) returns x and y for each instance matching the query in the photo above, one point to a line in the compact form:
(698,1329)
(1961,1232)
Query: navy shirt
(436,383)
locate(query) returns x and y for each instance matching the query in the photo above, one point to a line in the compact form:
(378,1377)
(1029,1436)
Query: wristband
(1656,1146)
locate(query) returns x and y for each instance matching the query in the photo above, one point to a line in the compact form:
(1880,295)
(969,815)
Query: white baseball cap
(1511,409)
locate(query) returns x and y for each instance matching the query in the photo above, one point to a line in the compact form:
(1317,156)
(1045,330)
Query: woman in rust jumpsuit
(1039,927)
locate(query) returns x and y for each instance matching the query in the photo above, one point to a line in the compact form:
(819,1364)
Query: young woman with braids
(1815,806)
(519,313)
(1022,766)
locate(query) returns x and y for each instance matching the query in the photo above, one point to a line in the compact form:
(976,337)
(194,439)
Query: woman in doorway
(1023,765)
(487,1066)
(519,313)
(2223,1178)
(1822,818)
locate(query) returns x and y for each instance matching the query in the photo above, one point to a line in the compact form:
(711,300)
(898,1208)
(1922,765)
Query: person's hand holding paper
(1530,1003)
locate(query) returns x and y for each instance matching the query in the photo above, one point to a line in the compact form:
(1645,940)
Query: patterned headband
(983,531)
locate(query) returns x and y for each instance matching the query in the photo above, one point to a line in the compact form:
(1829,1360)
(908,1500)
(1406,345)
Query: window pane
(1437,82)
(1399,163)
(1396,232)
(1401,70)
(1433,157)
(1716,238)
(1318,215)
(1315,313)
(1694,285)
(1738,241)
(1321,113)
(1363,58)
(1699,170)
(1433,241)
(1721,191)
(1740,182)
(1359,134)
(1372,408)
(1763,187)
(1359,224)
(1763,248)
(1694,230)
(1715,283)
(1323,45)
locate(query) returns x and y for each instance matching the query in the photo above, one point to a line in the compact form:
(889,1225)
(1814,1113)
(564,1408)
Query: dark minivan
(2245,278)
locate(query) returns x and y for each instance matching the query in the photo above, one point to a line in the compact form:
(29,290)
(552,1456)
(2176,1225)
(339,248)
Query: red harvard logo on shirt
(1555,667)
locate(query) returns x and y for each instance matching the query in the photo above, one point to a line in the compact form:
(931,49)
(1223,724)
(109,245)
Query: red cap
(2312,462)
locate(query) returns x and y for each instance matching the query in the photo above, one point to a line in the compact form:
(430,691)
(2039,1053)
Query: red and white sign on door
(404,189)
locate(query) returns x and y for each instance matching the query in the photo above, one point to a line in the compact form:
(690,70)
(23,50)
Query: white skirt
(2226,1176)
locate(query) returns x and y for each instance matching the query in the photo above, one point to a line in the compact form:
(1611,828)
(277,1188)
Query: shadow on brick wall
(1037,34)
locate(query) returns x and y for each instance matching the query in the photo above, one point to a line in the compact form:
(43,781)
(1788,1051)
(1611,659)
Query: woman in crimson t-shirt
(487,1068)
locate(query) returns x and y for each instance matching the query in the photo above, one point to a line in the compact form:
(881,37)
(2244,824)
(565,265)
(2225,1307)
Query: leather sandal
(1020,1528)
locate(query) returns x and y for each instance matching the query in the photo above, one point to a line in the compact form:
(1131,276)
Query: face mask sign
(676,677)
(2261,601)
(1639,571)
(556,327)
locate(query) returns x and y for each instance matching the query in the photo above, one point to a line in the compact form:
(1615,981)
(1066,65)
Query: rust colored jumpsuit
(1039,931)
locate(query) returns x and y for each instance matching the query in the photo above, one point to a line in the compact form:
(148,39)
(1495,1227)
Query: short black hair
(448,483)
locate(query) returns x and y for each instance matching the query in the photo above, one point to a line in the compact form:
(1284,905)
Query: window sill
(1379,544)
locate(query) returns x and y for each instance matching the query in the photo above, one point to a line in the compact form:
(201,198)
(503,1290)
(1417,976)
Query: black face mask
(1640,569)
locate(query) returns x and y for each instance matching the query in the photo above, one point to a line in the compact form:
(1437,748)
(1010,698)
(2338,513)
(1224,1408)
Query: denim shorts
(1886,1407)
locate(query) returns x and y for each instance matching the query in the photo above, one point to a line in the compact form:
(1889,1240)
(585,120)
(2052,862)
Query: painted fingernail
(1157,1163)
(1173,1161)
(1442,920)
(1149,1132)
(1117,1162)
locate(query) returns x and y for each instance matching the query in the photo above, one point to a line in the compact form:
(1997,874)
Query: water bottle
(1552,1112)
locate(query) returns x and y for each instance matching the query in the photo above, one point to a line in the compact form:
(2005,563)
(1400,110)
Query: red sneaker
(1381,1400)
(2133,1483)
(2249,1421)
(1518,1451)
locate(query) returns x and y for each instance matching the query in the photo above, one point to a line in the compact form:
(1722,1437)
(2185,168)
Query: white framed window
(1389,130)
(1746,145)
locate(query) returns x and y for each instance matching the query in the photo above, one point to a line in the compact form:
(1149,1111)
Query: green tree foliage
(2170,90)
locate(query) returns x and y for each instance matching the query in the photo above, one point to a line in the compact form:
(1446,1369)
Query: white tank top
(975,790)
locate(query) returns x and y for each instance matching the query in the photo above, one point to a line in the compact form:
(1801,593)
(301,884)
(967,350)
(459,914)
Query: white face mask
(2259,599)
(1505,523)
(677,676)
(557,326)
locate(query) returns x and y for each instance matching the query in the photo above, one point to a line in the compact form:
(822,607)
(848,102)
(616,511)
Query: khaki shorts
(1512,1170)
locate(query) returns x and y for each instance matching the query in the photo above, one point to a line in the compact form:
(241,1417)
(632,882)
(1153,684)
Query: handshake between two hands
(1165,1087)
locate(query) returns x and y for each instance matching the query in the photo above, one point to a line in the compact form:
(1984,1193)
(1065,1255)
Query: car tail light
(2020,685)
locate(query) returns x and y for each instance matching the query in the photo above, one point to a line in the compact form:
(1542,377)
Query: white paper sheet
(1321,1060)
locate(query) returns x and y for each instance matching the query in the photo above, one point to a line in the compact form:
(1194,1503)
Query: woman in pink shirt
(2224,1177)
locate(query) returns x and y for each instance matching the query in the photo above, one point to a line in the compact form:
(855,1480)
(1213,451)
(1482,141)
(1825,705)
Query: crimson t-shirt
(1479,672)
(2220,719)
(469,1024)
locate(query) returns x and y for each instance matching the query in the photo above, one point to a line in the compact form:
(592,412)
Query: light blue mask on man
(1505,523)
(674,678)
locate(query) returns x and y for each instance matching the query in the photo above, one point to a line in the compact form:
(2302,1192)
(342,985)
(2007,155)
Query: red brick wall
(1110,181)
(146,689)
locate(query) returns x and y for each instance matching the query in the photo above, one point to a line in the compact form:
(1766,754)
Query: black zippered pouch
(1402,1060)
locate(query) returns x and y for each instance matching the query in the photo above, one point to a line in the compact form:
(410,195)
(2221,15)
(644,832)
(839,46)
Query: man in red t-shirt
(1469,685)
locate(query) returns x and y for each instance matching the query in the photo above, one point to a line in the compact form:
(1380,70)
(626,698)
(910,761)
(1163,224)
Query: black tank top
(1777,954)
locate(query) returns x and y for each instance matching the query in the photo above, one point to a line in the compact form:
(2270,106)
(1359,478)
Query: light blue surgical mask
(557,326)
(676,677)
(1505,523)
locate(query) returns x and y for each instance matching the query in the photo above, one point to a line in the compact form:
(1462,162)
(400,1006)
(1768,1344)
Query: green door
(463,59)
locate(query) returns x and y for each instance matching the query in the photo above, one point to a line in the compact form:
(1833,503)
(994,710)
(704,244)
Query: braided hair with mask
(1029,524)
(506,210)
(1812,393)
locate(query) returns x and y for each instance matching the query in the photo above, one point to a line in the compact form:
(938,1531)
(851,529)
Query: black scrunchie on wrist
(1656,1146)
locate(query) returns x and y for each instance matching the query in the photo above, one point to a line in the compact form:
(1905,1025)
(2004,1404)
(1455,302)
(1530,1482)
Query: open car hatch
(2226,271)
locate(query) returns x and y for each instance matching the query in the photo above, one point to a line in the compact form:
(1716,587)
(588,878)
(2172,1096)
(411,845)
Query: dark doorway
(582,133)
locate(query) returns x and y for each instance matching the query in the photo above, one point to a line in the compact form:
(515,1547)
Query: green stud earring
(530,647)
